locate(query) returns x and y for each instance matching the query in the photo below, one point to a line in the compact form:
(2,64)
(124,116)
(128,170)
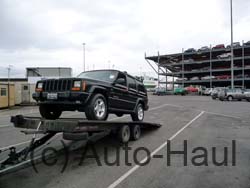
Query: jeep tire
(97,108)
(49,112)
(138,115)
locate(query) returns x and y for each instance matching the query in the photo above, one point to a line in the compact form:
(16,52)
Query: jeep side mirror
(120,81)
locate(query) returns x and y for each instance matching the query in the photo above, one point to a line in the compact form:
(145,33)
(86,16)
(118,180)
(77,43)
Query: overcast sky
(38,33)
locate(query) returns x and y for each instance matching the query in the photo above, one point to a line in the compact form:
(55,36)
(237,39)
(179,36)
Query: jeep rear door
(131,97)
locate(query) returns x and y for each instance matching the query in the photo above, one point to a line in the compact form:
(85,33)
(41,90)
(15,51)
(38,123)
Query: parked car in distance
(247,94)
(97,93)
(247,66)
(204,48)
(160,91)
(180,79)
(208,91)
(201,90)
(238,76)
(224,56)
(231,94)
(223,77)
(192,89)
(188,60)
(215,91)
(247,43)
(219,46)
(190,50)
(206,68)
(235,45)
(207,77)
(195,78)
(180,91)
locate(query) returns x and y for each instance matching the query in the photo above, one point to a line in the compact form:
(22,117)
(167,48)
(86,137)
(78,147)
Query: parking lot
(197,121)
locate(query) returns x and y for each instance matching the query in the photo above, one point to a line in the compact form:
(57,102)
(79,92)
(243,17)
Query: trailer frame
(74,129)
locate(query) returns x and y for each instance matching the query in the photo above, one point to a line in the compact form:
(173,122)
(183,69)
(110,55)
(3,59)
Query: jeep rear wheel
(49,112)
(97,108)
(138,115)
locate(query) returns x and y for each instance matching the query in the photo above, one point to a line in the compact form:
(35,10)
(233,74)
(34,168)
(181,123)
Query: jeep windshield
(104,75)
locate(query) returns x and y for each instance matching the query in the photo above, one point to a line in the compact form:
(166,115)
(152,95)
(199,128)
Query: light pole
(232,52)
(83,56)
(9,69)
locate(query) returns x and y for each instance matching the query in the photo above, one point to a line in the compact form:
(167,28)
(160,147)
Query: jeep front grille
(57,85)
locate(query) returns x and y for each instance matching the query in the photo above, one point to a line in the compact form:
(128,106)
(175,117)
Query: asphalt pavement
(211,136)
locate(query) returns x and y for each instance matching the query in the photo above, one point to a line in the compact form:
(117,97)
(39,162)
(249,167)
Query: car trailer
(74,129)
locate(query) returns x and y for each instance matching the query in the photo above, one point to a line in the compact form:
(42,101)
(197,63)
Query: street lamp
(83,56)
(9,69)
(232,52)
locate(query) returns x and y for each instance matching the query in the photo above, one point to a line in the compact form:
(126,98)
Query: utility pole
(232,51)
(83,56)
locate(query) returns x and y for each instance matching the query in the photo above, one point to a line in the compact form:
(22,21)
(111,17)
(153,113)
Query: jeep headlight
(77,84)
(40,85)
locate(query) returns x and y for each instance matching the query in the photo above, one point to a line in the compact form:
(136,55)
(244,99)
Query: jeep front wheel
(97,108)
(49,112)
(138,115)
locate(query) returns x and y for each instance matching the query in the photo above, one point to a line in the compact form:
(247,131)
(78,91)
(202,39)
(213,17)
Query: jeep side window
(121,79)
(131,83)
(141,88)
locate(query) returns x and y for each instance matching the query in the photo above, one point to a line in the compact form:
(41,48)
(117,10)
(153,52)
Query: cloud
(51,32)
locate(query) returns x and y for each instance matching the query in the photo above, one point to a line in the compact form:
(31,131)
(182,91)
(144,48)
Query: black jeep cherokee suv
(97,93)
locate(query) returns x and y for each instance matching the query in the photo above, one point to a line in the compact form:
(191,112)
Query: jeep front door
(119,92)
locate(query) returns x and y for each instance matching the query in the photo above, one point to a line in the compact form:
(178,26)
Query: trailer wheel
(97,108)
(138,115)
(49,112)
(135,132)
(124,134)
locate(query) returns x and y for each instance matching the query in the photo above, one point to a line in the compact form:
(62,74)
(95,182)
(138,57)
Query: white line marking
(219,114)
(124,176)
(197,109)
(2,126)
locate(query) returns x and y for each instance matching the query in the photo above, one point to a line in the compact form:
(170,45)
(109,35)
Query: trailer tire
(99,101)
(49,112)
(135,132)
(124,134)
